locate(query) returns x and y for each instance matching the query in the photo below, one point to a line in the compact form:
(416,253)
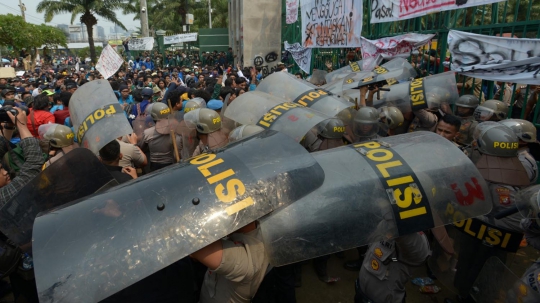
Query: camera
(143,9)
(3,113)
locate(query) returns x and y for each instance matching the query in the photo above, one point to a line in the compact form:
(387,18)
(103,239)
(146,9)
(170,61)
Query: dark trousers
(155,166)
(278,286)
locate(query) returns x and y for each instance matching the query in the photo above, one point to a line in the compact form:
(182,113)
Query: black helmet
(147,92)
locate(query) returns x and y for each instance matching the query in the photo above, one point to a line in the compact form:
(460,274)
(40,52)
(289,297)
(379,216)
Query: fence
(513,18)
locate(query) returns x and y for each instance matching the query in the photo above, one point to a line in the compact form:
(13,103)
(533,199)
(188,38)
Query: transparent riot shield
(97,116)
(423,93)
(497,283)
(318,77)
(378,189)
(270,112)
(528,202)
(342,72)
(392,72)
(348,82)
(102,244)
(287,87)
(77,174)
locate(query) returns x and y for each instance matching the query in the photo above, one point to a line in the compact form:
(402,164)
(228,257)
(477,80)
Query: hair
(110,152)
(239,80)
(299,74)
(174,97)
(225,91)
(229,82)
(65,97)
(200,93)
(137,95)
(452,120)
(41,102)
(115,85)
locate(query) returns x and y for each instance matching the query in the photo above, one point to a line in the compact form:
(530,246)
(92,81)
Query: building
(101,32)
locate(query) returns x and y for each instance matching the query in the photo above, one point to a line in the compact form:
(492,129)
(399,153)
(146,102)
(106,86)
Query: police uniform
(160,146)
(423,120)
(529,163)
(214,140)
(243,266)
(59,154)
(465,134)
(387,267)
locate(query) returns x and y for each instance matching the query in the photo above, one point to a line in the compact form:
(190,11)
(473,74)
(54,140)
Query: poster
(393,10)
(515,60)
(292,11)
(301,55)
(109,62)
(141,43)
(386,48)
(331,23)
(190,37)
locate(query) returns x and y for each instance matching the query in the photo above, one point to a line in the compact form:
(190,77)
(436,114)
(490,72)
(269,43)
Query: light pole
(210,13)
(161,45)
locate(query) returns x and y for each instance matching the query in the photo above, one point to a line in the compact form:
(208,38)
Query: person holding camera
(11,183)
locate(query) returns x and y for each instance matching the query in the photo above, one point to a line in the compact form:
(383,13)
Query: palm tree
(89,9)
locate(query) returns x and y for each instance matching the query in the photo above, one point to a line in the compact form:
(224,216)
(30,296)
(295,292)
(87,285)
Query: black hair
(65,97)
(229,82)
(174,97)
(110,152)
(225,91)
(41,102)
(239,80)
(137,95)
(115,85)
(200,93)
(452,120)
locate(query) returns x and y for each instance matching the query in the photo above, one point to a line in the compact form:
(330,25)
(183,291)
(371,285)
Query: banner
(331,23)
(301,55)
(180,38)
(386,48)
(141,43)
(393,10)
(292,11)
(109,62)
(514,60)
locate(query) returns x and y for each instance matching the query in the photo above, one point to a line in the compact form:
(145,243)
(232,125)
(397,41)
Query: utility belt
(490,235)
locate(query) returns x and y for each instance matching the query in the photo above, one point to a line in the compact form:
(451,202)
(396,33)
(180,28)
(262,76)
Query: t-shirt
(61,115)
(40,117)
(242,269)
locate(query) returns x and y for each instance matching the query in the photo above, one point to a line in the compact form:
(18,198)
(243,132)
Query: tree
(19,34)
(85,52)
(89,10)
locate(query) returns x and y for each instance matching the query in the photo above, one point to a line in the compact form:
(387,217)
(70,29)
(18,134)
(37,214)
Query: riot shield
(392,72)
(423,93)
(287,87)
(497,283)
(318,77)
(528,202)
(270,112)
(77,174)
(104,243)
(97,116)
(386,188)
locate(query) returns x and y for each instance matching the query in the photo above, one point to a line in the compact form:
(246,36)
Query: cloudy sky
(12,7)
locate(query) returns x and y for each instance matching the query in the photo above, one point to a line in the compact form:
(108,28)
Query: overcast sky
(12,7)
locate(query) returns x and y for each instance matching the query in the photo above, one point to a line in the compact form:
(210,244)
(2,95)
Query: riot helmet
(495,139)
(59,136)
(332,128)
(391,116)
(491,110)
(244,131)
(194,104)
(205,120)
(147,92)
(525,130)
(436,96)
(465,105)
(528,203)
(366,122)
(160,111)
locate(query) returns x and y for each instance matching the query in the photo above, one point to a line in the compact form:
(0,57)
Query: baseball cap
(48,92)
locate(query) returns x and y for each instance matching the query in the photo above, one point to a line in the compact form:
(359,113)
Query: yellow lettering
(481,231)
(339,129)
(449,209)
(505,240)
(417,98)
(91,117)
(98,114)
(216,120)
(235,188)
(494,234)
(314,95)
(413,213)
(383,167)
(322,92)
(368,145)
(467,228)
(221,176)
(204,169)
(496,144)
(69,136)
(233,209)
(265,124)
(273,111)
(387,155)
(165,111)
(399,181)
(111,110)
(203,158)
(407,197)
(302,103)
(459,223)
(459,217)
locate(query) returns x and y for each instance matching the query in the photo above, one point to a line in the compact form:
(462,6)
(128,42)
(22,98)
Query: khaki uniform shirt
(242,269)
(131,155)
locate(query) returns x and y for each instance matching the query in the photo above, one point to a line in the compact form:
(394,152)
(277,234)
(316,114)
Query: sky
(32,16)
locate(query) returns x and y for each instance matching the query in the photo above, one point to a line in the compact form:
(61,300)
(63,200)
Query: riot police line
(288,168)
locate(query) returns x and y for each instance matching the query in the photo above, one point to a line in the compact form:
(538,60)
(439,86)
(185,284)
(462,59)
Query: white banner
(514,60)
(331,23)
(141,43)
(180,38)
(292,11)
(301,55)
(109,62)
(393,10)
(385,48)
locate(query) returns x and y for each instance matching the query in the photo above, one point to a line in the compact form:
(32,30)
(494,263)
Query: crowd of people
(176,106)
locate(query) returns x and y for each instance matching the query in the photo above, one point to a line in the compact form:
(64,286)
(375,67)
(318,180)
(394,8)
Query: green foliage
(14,31)
(85,52)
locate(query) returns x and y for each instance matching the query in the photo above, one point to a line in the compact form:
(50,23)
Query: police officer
(366,124)
(392,118)
(60,139)
(325,135)
(465,106)
(190,140)
(208,125)
(244,131)
(491,110)
(526,132)
(157,139)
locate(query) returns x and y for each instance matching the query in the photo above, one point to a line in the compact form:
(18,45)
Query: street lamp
(161,46)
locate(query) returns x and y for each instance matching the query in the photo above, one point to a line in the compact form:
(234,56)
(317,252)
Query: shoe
(354,265)
(329,280)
